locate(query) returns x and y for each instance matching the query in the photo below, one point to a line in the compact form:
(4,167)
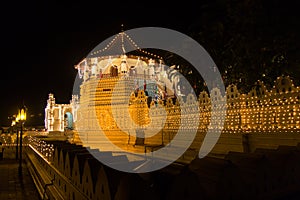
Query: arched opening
(69,120)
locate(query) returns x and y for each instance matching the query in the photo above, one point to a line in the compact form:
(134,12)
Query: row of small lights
(42,147)
(281,112)
(255,123)
(132,42)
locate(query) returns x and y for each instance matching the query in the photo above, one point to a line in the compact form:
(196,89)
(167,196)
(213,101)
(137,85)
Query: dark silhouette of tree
(249,40)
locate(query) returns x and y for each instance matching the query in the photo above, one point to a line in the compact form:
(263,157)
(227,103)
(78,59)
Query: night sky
(43,40)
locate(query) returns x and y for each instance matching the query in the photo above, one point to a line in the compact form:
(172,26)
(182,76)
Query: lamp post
(22,118)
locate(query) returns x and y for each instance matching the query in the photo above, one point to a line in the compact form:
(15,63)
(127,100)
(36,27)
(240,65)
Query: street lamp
(21,118)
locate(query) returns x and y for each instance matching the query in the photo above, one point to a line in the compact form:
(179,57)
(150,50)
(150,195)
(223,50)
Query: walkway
(11,186)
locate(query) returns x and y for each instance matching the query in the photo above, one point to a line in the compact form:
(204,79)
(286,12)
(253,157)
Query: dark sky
(43,40)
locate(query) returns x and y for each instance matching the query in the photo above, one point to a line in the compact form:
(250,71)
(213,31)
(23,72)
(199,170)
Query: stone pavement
(11,185)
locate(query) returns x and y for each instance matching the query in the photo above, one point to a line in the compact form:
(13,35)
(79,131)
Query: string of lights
(120,36)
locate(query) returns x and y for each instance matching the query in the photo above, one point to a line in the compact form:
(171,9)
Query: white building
(59,117)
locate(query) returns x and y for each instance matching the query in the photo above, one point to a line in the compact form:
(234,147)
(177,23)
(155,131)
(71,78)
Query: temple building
(137,104)
(136,101)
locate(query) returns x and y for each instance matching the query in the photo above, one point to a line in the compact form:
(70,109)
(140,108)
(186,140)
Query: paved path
(11,185)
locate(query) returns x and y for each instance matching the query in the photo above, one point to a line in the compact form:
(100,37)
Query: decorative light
(22,114)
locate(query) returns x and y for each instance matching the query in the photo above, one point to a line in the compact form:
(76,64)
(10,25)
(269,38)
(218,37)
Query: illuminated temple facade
(116,97)
(260,110)
(124,95)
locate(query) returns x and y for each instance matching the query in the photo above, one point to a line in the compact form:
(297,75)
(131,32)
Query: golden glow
(138,112)
(18,117)
(23,114)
